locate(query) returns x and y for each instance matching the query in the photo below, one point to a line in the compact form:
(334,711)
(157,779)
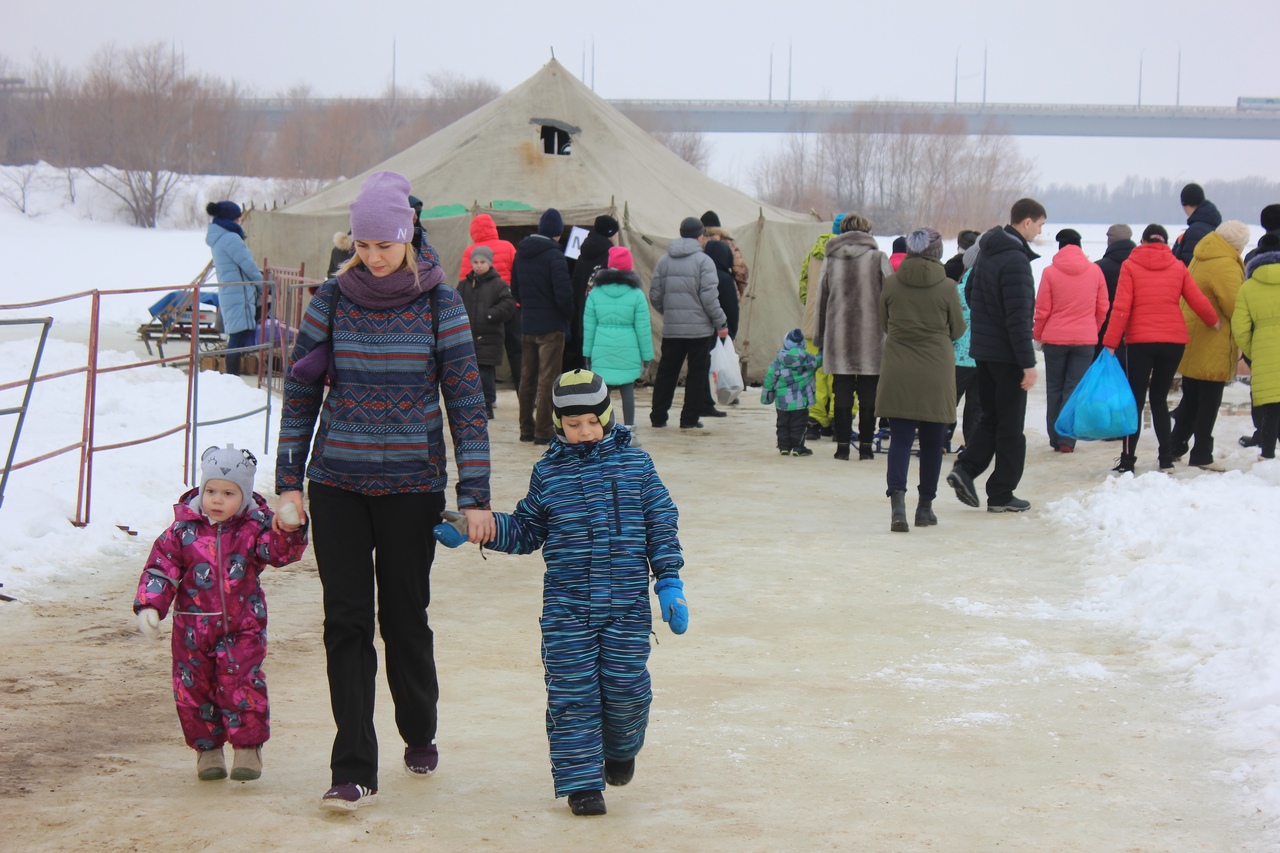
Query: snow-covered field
(1186,564)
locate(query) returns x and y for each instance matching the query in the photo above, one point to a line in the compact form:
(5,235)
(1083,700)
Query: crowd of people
(392,356)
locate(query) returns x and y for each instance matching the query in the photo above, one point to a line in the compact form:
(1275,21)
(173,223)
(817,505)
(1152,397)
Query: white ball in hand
(288,513)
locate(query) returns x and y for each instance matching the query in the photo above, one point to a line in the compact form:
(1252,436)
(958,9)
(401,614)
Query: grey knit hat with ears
(227,463)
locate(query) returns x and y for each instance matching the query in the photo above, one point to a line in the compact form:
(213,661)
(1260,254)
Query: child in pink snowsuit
(206,566)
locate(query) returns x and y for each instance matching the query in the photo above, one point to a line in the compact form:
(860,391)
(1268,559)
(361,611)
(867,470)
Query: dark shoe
(694,425)
(1166,462)
(842,452)
(1178,449)
(784,451)
(420,761)
(865,453)
(526,438)
(1124,465)
(347,797)
(924,514)
(829,431)
(812,432)
(656,424)
(541,442)
(619,772)
(488,413)
(1014,505)
(1249,440)
(587,803)
(713,412)
(801,451)
(960,480)
(898,508)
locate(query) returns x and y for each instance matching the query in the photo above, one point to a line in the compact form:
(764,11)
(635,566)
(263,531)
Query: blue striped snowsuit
(603,519)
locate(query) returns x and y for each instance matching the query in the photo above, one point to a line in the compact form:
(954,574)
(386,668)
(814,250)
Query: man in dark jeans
(1002,295)
(686,292)
(540,284)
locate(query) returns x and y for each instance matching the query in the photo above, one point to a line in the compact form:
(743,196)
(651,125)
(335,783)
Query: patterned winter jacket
(381,431)
(791,379)
(205,569)
(603,520)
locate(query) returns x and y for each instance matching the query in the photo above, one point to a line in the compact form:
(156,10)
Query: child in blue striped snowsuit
(604,521)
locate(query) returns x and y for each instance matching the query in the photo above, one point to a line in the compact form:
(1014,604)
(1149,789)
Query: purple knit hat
(381,211)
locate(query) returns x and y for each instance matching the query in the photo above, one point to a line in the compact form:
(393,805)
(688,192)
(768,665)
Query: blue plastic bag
(1102,406)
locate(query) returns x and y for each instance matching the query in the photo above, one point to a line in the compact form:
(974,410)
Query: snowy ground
(1184,563)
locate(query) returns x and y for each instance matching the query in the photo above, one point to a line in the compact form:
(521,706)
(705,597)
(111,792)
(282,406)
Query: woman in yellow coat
(1256,326)
(1209,361)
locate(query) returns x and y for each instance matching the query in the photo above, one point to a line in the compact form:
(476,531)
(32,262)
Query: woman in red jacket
(1147,315)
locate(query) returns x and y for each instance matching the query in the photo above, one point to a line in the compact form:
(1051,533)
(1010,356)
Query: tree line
(1143,200)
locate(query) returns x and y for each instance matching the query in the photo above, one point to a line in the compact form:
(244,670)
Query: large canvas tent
(552,142)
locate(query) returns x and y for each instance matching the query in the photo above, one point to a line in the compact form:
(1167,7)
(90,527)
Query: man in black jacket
(1202,217)
(592,256)
(540,284)
(1119,245)
(1002,299)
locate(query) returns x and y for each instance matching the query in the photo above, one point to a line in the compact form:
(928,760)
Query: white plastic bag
(726,375)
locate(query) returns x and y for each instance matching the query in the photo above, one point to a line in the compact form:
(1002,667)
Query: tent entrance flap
(556,135)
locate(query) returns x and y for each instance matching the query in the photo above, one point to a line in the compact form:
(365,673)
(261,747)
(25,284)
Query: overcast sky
(1083,52)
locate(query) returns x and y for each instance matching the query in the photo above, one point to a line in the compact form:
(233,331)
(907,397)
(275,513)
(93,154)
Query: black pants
(999,433)
(489,384)
(1151,370)
(513,342)
(902,434)
(843,387)
(697,390)
(972,408)
(1268,428)
(236,340)
(358,540)
(791,427)
(1196,416)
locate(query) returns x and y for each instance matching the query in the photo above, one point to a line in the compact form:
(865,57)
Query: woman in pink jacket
(1148,316)
(1070,307)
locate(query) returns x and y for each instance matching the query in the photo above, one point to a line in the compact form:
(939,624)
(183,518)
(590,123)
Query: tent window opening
(555,141)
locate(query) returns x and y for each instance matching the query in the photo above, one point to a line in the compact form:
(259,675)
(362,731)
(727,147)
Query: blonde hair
(410,261)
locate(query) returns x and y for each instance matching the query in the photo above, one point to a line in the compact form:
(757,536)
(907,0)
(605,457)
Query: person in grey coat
(237,304)
(847,328)
(685,291)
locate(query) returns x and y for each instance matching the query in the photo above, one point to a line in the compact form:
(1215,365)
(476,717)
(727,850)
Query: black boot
(842,452)
(924,514)
(619,772)
(1126,463)
(898,501)
(865,452)
(811,432)
(587,803)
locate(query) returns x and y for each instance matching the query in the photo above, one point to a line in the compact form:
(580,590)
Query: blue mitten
(675,611)
(451,532)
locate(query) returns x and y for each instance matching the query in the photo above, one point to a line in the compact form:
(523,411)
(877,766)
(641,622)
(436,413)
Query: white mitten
(288,512)
(149,623)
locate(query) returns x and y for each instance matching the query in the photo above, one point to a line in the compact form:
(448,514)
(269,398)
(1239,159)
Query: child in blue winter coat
(604,522)
(789,384)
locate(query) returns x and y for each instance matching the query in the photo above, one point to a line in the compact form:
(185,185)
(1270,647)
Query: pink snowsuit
(219,618)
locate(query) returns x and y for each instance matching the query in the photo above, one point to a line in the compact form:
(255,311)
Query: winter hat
(1235,232)
(899,245)
(710,219)
(482,252)
(690,227)
(415,203)
(794,339)
(1067,237)
(381,212)
(1192,195)
(223,210)
(924,242)
(551,224)
(1270,218)
(971,256)
(1155,233)
(227,463)
(580,392)
(620,259)
(606,226)
(855,222)
(835,223)
(966,239)
(1119,232)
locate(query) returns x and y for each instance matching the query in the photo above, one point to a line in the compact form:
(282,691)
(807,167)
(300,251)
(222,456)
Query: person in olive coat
(920,314)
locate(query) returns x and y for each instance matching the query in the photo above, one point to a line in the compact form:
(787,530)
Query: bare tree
(690,145)
(17,183)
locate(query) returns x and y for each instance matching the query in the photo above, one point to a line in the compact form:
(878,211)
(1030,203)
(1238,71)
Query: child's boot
(924,514)
(898,502)
(587,803)
(619,772)
(247,764)
(842,452)
(801,450)
(865,452)
(211,766)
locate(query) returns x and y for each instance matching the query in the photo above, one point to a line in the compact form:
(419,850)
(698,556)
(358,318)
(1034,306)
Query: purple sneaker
(420,761)
(347,797)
